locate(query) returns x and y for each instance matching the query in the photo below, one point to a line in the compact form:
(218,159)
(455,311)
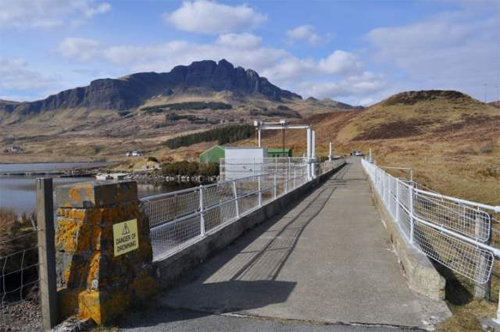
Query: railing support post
(287,180)
(412,220)
(259,183)
(275,187)
(46,253)
(202,213)
(481,291)
(397,202)
(236,200)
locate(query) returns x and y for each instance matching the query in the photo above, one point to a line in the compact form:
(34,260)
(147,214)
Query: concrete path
(328,260)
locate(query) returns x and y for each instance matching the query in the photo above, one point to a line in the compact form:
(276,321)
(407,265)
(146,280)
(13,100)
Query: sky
(354,51)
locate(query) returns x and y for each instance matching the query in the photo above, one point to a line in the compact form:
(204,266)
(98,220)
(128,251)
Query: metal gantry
(310,137)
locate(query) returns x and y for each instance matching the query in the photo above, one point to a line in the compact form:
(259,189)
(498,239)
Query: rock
(73,324)
(132,91)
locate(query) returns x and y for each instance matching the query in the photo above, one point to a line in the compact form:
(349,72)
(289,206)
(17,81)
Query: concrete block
(93,282)
(96,194)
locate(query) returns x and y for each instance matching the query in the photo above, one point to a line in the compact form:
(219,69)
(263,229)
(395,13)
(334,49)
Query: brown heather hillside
(451,140)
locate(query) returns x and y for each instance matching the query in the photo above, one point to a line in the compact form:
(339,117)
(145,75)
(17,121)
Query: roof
(214,147)
(243,147)
(273,150)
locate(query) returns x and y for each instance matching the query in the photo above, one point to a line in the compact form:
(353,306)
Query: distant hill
(495,103)
(451,140)
(416,113)
(134,90)
(332,103)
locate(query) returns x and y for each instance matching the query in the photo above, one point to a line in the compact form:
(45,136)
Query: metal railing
(451,231)
(233,168)
(180,218)
(19,279)
(28,291)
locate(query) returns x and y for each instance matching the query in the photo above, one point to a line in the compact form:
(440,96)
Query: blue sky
(353,51)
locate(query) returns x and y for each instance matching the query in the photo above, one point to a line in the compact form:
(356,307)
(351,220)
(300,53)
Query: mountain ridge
(131,91)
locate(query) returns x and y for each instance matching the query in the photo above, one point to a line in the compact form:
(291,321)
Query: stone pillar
(93,281)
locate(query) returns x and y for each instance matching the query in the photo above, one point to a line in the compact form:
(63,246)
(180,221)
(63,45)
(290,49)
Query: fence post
(275,190)
(289,167)
(260,190)
(202,213)
(397,202)
(481,291)
(287,180)
(412,220)
(236,200)
(46,253)
(294,178)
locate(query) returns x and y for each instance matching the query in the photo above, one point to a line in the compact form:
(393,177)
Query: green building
(279,152)
(213,154)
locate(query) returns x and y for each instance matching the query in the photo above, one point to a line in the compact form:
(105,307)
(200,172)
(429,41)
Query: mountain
(332,103)
(449,139)
(134,90)
(495,103)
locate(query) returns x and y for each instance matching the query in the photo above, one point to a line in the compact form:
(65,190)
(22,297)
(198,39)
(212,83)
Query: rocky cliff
(134,90)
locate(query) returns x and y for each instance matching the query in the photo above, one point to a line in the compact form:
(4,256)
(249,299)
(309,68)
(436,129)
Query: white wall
(243,162)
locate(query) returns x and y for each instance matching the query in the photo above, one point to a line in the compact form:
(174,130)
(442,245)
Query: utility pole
(485,92)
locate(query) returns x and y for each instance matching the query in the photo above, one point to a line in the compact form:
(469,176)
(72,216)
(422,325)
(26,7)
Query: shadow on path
(244,275)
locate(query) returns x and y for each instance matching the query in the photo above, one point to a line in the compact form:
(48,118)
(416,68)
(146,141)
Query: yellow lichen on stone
(74,193)
(98,284)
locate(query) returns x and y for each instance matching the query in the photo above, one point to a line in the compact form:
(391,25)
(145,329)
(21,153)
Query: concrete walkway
(328,260)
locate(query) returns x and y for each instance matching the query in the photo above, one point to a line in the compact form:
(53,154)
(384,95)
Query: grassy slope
(79,134)
(453,144)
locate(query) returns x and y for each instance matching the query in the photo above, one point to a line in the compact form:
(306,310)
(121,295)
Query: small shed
(279,152)
(213,155)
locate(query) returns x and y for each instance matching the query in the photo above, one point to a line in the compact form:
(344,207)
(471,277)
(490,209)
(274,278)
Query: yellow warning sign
(125,237)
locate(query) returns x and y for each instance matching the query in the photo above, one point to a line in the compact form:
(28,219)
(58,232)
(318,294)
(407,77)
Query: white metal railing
(233,168)
(180,218)
(451,231)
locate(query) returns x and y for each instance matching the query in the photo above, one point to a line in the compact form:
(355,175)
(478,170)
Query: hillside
(134,90)
(142,111)
(450,139)
(495,103)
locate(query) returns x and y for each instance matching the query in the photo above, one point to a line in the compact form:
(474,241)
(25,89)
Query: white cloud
(365,84)
(241,41)
(210,17)
(339,74)
(306,33)
(458,50)
(80,49)
(342,63)
(16,76)
(48,13)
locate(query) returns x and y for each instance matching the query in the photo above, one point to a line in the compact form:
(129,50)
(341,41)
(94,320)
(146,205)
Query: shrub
(153,159)
(185,168)
(222,135)
(18,253)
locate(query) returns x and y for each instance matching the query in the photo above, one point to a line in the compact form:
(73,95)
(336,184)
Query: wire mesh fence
(179,218)
(234,168)
(19,277)
(452,232)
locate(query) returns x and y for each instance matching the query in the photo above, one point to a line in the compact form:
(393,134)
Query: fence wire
(452,232)
(19,279)
(179,218)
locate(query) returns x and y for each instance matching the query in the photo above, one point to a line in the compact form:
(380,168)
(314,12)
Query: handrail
(184,215)
(383,183)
